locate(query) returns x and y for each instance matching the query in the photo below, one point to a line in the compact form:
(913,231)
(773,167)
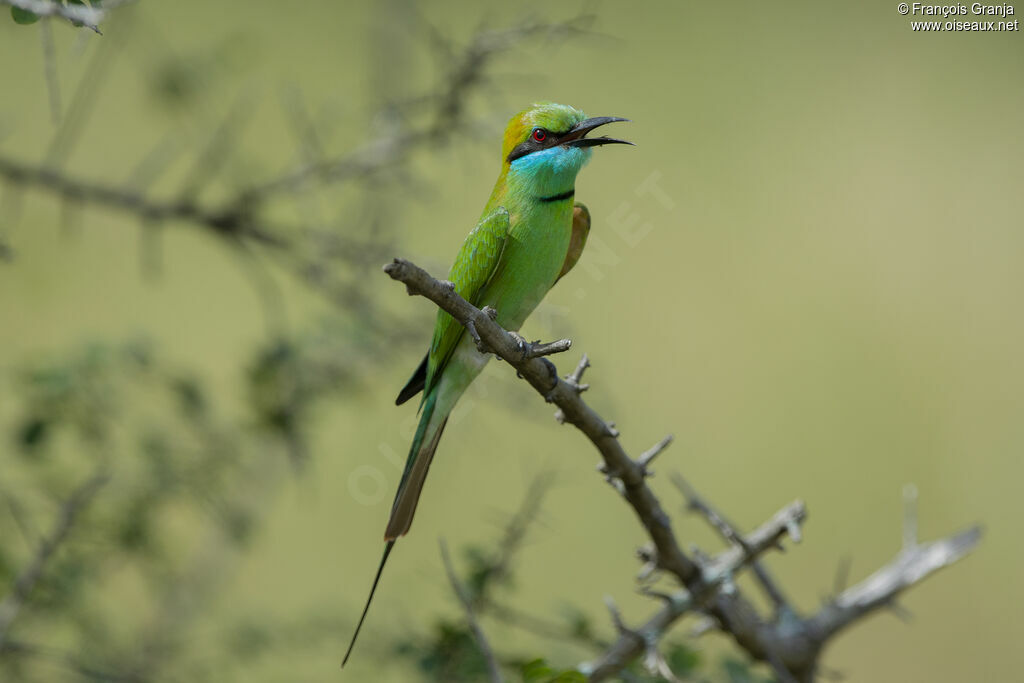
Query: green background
(826,305)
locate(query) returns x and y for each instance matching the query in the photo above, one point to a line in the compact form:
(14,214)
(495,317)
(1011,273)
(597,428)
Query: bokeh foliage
(830,306)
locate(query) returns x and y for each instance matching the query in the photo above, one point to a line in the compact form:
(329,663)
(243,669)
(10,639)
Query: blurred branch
(716,572)
(446,106)
(89,16)
(467,604)
(913,564)
(308,252)
(64,660)
(789,644)
(697,504)
(228,222)
(27,579)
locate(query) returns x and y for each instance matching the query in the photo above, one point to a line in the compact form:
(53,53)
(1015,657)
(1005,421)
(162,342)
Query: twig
(537,349)
(227,222)
(446,113)
(467,604)
(66,661)
(79,15)
(617,464)
(697,504)
(538,372)
(575,380)
(792,645)
(27,579)
(723,566)
(50,70)
(648,456)
(914,563)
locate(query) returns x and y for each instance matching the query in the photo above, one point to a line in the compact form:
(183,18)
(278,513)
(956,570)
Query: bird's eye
(540,135)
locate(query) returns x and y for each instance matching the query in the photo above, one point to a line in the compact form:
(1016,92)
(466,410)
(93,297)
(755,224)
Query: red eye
(539,134)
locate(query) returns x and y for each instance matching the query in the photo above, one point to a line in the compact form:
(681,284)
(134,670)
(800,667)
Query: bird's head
(548,143)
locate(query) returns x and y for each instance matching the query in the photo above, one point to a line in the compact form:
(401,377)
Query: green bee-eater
(530,235)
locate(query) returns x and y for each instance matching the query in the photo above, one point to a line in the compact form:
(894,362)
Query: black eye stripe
(532,145)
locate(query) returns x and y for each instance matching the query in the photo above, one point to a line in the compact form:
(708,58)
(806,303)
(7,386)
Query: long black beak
(576,137)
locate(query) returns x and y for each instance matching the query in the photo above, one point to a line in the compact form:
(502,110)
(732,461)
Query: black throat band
(568,194)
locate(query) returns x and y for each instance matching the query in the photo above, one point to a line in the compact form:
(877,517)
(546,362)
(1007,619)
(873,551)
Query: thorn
(705,625)
(647,554)
(576,376)
(657,595)
(842,574)
(901,612)
(620,626)
(539,350)
(700,558)
(655,663)
(793,529)
(909,517)
(649,455)
(611,431)
(613,478)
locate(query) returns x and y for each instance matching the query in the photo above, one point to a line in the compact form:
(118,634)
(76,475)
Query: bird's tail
(366,608)
(421,453)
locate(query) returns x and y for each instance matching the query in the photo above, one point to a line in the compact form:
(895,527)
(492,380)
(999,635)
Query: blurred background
(808,270)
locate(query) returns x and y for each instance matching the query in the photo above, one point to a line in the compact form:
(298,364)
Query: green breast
(536,248)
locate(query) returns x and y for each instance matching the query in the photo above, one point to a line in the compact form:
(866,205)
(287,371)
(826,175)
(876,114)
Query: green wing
(578,239)
(474,265)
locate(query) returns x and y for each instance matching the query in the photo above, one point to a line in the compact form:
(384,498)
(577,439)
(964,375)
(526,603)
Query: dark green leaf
(23,16)
(33,432)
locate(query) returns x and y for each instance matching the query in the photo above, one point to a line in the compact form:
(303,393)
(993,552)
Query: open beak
(576,137)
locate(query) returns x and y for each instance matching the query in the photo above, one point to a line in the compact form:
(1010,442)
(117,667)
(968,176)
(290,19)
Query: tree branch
(720,569)
(28,578)
(543,376)
(789,644)
(729,533)
(231,221)
(467,604)
(79,15)
(915,562)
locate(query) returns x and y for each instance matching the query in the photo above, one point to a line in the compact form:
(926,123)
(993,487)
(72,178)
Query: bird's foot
(471,328)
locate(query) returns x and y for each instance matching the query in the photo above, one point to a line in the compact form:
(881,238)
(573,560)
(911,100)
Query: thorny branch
(914,562)
(729,533)
(791,645)
(29,577)
(79,15)
(308,252)
(238,216)
(467,604)
(542,375)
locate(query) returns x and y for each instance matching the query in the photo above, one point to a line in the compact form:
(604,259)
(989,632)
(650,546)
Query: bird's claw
(471,328)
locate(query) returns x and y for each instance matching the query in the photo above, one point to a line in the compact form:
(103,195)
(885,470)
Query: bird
(530,234)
